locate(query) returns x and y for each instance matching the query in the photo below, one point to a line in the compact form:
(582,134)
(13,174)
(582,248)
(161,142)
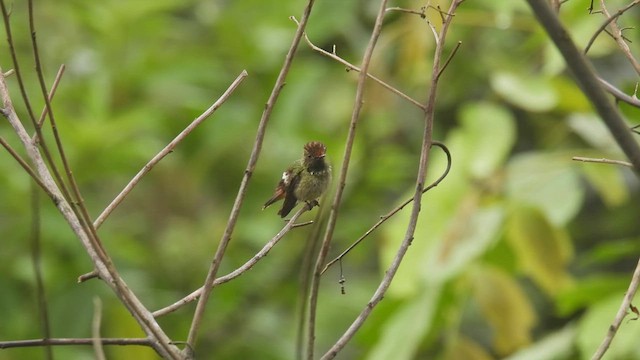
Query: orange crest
(315,149)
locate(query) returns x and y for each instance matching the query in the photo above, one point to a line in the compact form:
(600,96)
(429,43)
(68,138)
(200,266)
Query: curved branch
(417,198)
(396,210)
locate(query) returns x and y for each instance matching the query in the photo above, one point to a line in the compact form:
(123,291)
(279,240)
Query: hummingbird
(305,180)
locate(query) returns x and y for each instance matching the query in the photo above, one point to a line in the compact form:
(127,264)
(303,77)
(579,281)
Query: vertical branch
(27,103)
(95,329)
(77,205)
(417,198)
(158,339)
(253,159)
(333,215)
(304,281)
(36,258)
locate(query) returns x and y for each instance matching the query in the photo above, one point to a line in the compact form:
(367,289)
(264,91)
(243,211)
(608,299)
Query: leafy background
(520,253)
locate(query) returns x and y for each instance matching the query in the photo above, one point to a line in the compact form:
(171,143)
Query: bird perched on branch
(305,180)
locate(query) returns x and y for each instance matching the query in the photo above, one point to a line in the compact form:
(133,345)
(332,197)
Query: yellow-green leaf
(505,307)
(543,250)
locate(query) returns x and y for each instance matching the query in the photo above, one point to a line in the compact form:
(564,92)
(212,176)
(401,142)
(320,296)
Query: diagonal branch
(350,66)
(586,78)
(417,198)
(335,206)
(253,159)
(394,211)
(168,149)
(239,271)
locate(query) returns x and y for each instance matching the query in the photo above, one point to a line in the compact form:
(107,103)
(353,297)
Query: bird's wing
(293,179)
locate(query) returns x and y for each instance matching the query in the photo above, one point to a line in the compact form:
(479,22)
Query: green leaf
(589,291)
(592,130)
(529,92)
(608,181)
(477,153)
(505,307)
(404,331)
(465,348)
(543,250)
(557,345)
(489,133)
(471,232)
(548,182)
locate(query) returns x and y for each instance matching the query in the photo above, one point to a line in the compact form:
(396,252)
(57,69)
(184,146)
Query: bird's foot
(311,204)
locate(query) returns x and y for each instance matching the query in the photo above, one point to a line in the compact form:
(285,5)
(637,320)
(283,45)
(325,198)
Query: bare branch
(616,33)
(586,78)
(25,166)
(603,161)
(168,149)
(72,342)
(606,23)
(620,315)
(253,159)
(396,210)
(417,198)
(352,67)
(52,93)
(95,329)
(239,271)
(618,94)
(36,256)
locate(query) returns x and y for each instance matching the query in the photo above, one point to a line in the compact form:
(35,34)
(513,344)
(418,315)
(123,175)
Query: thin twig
(396,210)
(36,256)
(606,23)
(620,95)
(422,13)
(158,157)
(304,280)
(622,312)
(77,204)
(352,67)
(159,340)
(335,206)
(168,149)
(14,58)
(52,93)
(253,160)
(72,342)
(603,161)
(84,219)
(446,63)
(239,271)
(616,34)
(25,166)
(95,329)
(27,104)
(417,198)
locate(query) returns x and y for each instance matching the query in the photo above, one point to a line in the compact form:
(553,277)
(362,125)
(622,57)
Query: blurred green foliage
(520,253)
